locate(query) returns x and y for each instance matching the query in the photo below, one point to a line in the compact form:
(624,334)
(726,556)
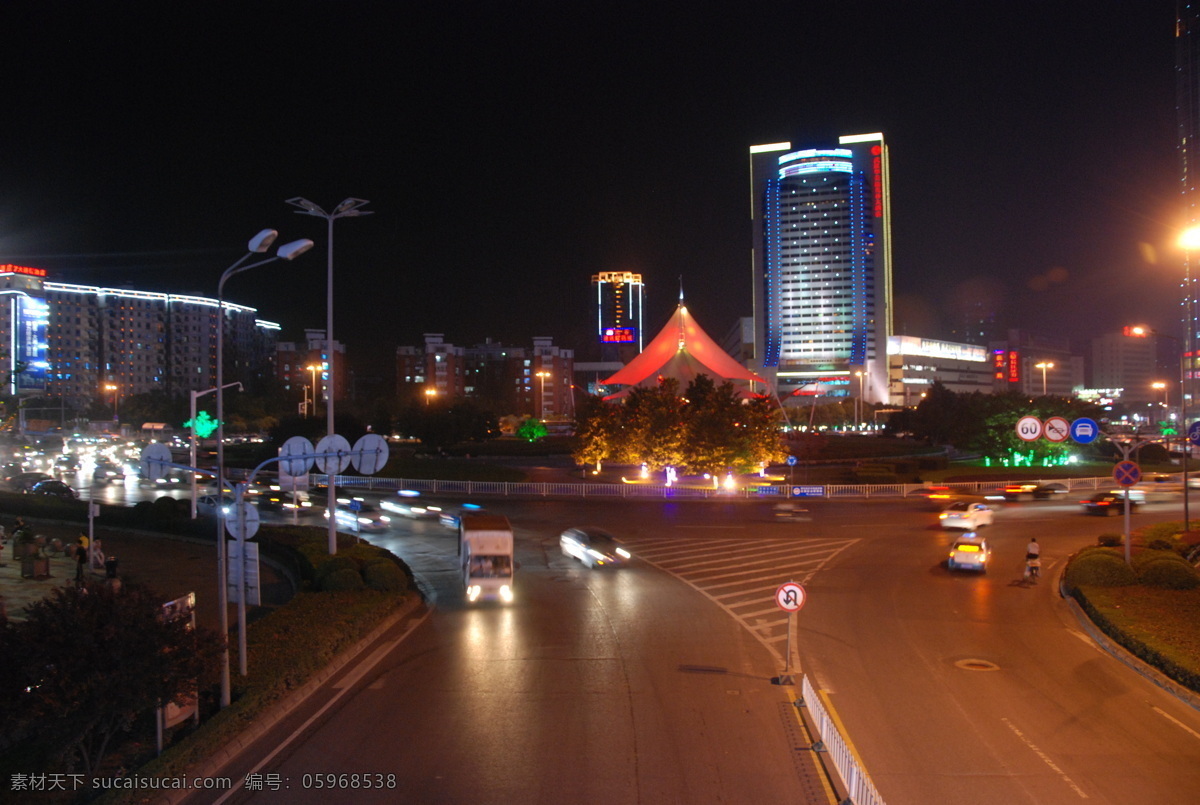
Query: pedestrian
(96,555)
(81,559)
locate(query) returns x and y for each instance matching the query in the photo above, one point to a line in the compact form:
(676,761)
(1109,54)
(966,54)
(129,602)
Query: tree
(654,420)
(87,662)
(597,428)
(713,416)
(532,429)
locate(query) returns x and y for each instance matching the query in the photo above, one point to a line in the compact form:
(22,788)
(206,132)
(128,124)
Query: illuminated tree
(532,429)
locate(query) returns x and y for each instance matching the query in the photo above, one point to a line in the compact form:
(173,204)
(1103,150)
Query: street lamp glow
(349,208)
(542,395)
(1189,238)
(1044,365)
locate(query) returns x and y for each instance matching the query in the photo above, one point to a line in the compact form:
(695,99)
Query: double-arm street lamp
(259,244)
(542,396)
(350,208)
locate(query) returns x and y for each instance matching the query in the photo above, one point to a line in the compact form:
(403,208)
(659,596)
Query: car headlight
(595,554)
(473,592)
(624,554)
(506,594)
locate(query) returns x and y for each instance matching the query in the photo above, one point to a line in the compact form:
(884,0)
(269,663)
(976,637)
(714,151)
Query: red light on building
(619,335)
(9,268)
(1136,331)
(1014,367)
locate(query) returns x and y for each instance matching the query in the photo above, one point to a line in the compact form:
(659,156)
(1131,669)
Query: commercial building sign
(618,335)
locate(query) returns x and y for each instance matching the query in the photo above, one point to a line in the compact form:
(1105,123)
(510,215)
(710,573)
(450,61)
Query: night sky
(512,150)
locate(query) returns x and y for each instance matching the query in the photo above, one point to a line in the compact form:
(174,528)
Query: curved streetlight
(1189,241)
(259,244)
(349,208)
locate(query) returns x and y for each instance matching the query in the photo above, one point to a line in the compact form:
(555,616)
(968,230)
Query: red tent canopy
(682,350)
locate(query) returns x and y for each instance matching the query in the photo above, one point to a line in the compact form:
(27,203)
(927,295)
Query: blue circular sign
(1085,430)
(791,460)
(1126,473)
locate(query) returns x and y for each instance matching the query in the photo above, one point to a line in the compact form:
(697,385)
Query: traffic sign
(791,461)
(242,523)
(1194,433)
(1056,429)
(334,452)
(808,491)
(1029,428)
(1085,430)
(370,454)
(1127,473)
(154,459)
(790,596)
(296,456)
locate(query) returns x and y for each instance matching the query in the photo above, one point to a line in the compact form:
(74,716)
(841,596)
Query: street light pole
(349,208)
(1044,365)
(542,395)
(259,244)
(1189,241)
(312,370)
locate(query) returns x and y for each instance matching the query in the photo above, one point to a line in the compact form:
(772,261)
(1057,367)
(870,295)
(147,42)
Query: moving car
(355,514)
(208,505)
(54,489)
(275,500)
(24,481)
(408,503)
(1033,491)
(1109,503)
(449,515)
(593,547)
(967,516)
(969,552)
(106,472)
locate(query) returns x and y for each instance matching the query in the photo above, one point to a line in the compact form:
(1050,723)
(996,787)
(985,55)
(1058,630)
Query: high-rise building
(1187,107)
(78,343)
(822,266)
(619,297)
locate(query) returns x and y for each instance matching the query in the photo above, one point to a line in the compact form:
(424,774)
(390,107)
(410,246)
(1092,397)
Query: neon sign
(9,268)
(877,166)
(618,335)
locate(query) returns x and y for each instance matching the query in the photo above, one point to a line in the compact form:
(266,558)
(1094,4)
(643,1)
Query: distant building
(1030,363)
(619,301)
(915,364)
(533,381)
(822,268)
(1127,361)
(73,341)
(303,369)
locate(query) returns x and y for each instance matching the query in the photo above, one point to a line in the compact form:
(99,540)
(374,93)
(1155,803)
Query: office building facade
(822,268)
(619,300)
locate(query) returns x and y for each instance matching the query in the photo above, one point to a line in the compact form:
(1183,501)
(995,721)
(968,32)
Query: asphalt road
(651,683)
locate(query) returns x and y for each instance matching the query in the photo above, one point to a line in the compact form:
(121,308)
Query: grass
(1161,627)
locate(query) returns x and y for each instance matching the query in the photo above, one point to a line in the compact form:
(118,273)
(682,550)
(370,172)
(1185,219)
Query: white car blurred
(969,552)
(967,516)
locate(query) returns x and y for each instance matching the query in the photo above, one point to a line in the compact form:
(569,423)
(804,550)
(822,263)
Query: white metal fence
(658,491)
(859,788)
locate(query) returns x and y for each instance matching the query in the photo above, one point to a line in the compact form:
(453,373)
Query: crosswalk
(742,575)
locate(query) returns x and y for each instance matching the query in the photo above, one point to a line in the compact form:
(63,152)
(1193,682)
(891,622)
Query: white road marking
(1046,759)
(1175,721)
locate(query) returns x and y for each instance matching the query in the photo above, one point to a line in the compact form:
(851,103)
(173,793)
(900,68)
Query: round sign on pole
(1127,473)
(1085,430)
(790,596)
(370,454)
(242,523)
(791,461)
(1029,428)
(333,464)
(154,459)
(1056,429)
(296,456)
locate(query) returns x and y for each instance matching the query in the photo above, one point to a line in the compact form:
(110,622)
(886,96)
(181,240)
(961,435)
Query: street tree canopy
(87,662)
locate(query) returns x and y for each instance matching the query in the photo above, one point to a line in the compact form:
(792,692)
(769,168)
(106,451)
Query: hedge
(1099,570)
(1169,574)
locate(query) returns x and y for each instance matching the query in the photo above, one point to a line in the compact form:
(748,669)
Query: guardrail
(584,489)
(859,788)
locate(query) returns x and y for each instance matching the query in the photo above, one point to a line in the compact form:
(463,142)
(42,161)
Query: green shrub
(1088,550)
(1168,530)
(346,578)
(1169,574)
(1145,557)
(1101,570)
(325,569)
(1161,545)
(1110,540)
(384,575)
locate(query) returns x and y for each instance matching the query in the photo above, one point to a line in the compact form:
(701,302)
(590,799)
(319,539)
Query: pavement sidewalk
(170,565)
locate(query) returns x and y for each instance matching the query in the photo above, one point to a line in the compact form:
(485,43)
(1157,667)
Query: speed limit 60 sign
(1029,428)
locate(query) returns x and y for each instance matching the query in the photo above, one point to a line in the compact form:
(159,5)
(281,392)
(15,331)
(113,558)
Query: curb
(1119,652)
(212,766)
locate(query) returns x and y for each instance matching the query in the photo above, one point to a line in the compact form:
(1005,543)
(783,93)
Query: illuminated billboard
(27,346)
(618,335)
